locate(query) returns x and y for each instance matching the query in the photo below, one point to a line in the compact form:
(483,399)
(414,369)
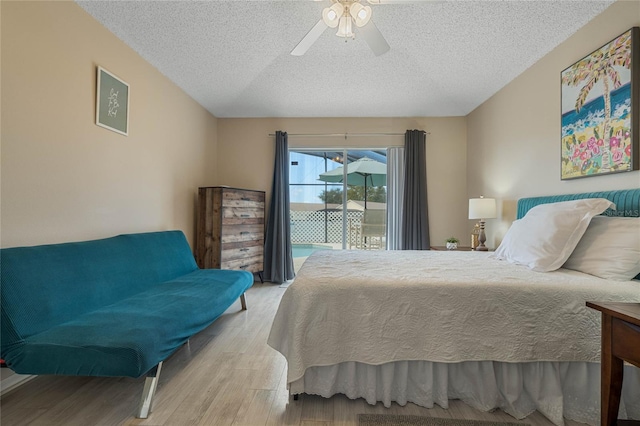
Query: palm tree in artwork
(599,66)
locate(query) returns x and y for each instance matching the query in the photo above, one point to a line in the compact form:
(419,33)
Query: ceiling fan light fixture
(343,14)
(345,29)
(361,14)
(331,15)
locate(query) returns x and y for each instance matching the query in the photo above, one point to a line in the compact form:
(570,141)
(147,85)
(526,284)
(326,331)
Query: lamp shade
(482,208)
(345,28)
(360,14)
(331,15)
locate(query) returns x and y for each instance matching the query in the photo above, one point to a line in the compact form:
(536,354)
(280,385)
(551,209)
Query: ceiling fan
(345,15)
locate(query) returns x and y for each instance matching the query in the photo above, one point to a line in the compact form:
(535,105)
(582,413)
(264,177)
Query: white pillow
(545,237)
(610,249)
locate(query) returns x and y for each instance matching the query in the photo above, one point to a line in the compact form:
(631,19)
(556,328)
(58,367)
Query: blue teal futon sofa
(115,307)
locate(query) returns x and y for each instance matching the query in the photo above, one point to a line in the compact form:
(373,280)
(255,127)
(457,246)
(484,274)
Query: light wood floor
(226,375)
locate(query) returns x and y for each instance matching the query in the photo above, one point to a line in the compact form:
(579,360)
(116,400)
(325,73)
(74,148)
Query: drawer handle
(244,249)
(245,199)
(244,266)
(244,215)
(244,233)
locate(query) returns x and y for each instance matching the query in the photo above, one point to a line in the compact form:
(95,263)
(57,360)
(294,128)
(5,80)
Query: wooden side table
(444,248)
(620,342)
(460,248)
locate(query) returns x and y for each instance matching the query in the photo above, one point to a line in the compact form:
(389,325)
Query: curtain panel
(415,214)
(395,196)
(278,258)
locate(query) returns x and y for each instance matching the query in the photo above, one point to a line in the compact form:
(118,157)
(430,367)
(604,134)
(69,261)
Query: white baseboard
(13,381)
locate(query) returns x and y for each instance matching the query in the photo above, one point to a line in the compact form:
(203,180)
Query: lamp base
(482,238)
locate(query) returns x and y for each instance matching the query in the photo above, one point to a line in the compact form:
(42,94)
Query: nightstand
(620,342)
(444,248)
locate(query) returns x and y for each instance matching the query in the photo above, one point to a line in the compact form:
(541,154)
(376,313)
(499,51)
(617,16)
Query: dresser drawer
(231,251)
(238,233)
(242,215)
(254,200)
(250,264)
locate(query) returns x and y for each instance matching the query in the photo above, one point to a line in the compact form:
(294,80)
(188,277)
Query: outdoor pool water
(304,250)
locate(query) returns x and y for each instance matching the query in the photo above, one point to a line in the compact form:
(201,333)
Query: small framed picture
(112,102)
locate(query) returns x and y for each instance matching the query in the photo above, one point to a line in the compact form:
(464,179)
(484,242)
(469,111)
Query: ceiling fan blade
(374,39)
(311,37)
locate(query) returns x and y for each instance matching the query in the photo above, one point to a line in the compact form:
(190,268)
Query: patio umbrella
(363,172)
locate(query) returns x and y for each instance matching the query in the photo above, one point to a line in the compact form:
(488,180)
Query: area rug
(402,420)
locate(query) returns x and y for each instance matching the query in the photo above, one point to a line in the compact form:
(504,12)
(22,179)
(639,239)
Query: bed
(429,326)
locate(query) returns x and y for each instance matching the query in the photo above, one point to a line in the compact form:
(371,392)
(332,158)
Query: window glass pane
(317,200)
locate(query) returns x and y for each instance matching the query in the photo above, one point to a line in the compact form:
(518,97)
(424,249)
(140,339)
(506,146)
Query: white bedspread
(376,307)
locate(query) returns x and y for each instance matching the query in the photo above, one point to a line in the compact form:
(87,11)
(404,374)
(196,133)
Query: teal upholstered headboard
(627,201)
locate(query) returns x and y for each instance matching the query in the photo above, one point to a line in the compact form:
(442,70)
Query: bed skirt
(556,389)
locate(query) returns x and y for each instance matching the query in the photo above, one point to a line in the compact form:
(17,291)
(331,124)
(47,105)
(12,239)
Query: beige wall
(64,178)
(246,155)
(514,137)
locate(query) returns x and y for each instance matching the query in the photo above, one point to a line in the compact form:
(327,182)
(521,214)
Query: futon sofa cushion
(43,286)
(112,307)
(131,336)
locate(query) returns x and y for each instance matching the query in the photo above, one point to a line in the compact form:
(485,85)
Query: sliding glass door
(338,200)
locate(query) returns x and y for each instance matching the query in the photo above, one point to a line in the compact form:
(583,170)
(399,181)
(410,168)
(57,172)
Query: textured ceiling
(446,57)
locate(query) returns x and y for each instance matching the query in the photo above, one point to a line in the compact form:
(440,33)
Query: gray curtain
(415,215)
(278,259)
(395,195)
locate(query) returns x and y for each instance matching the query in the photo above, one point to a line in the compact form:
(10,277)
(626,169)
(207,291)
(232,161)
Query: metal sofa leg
(243,301)
(150,385)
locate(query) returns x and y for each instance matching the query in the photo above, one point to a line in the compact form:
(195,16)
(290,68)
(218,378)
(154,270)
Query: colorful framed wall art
(600,100)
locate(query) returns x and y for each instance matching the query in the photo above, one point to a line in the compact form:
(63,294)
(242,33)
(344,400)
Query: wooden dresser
(230,229)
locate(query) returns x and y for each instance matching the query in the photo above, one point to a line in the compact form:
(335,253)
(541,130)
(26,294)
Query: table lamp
(482,208)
